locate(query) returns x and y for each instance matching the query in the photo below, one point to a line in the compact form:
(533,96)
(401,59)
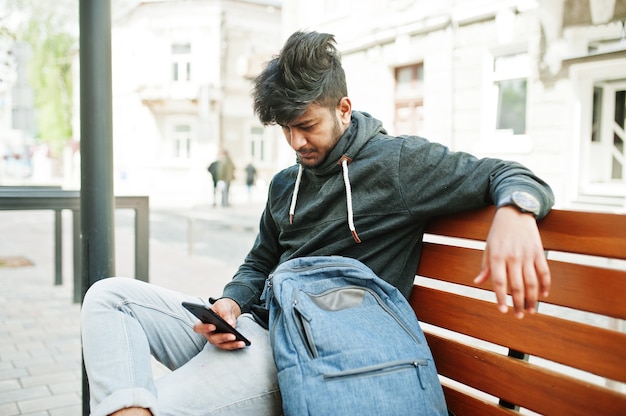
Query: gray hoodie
(393,185)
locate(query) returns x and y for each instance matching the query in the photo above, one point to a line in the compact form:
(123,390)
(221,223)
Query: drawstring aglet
(291,218)
(355,236)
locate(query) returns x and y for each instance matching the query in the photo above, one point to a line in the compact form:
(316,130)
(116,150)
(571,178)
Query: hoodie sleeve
(247,285)
(436,181)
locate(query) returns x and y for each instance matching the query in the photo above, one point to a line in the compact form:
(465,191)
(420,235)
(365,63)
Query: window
(510,84)
(601,110)
(257,144)
(181,62)
(607,158)
(409,101)
(182,141)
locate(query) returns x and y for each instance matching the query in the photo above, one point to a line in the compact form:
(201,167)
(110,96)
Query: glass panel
(617,170)
(620,108)
(175,71)
(596,121)
(404,78)
(618,135)
(512,106)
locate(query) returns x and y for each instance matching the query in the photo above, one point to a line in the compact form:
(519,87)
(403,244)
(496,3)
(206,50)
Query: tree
(50,75)
(51,30)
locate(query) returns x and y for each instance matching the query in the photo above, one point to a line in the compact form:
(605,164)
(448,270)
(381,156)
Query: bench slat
(520,382)
(585,288)
(590,233)
(462,403)
(566,342)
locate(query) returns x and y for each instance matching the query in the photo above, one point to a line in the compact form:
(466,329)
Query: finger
(499,284)
(202,328)
(517,287)
(225,341)
(530,288)
(483,275)
(543,276)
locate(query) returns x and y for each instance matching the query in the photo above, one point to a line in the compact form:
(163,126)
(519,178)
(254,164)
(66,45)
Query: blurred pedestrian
(213,168)
(250,178)
(225,175)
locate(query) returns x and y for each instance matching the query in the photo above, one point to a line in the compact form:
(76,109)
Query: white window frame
(178,143)
(260,146)
(503,141)
(584,78)
(181,141)
(181,62)
(512,67)
(409,101)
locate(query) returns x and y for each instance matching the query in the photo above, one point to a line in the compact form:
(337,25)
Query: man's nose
(297,139)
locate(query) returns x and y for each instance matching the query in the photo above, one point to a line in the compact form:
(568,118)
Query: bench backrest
(576,341)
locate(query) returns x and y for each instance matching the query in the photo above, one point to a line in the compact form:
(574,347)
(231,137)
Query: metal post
(58,247)
(96,200)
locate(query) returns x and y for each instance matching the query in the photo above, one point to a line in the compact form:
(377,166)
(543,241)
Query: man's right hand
(229,310)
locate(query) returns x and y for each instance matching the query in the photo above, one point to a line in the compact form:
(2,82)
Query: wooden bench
(576,342)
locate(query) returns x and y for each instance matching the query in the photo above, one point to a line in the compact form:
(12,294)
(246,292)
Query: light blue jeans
(125,321)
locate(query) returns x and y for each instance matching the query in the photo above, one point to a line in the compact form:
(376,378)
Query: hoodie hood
(362,128)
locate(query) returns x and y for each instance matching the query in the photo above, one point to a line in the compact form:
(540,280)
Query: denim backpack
(346,342)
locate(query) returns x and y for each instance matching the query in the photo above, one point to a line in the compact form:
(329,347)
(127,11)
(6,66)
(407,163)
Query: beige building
(542,82)
(181,84)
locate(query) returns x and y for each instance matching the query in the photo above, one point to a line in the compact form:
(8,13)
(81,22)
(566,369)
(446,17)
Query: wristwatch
(523,201)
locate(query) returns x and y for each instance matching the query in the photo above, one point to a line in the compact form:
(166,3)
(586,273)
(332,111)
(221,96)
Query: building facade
(541,82)
(181,93)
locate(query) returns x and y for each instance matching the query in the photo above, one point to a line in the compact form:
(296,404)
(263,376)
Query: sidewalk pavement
(40,354)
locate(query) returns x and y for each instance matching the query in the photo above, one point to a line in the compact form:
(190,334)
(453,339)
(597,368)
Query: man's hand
(229,310)
(514,258)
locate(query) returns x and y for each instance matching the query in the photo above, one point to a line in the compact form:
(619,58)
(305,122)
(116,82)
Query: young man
(355,192)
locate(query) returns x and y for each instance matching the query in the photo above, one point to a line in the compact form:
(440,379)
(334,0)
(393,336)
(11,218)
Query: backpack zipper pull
(418,366)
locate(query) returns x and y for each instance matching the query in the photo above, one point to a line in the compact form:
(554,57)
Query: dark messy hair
(307,70)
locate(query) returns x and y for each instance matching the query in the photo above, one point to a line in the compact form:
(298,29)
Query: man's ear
(344,110)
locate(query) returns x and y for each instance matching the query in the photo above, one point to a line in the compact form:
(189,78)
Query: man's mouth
(306,154)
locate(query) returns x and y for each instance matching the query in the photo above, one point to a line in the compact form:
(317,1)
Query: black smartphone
(209,316)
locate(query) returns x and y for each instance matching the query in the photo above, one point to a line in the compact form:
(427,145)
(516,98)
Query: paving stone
(31,393)
(45,379)
(9,409)
(12,373)
(10,384)
(67,411)
(52,402)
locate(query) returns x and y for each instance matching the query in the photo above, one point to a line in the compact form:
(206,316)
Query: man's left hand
(514,259)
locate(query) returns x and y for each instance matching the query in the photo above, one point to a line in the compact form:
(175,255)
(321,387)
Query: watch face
(526,202)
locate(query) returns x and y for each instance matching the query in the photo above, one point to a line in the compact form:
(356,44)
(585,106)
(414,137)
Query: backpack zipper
(380,369)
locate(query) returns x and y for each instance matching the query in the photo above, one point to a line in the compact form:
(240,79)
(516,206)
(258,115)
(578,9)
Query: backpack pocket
(330,320)
(393,388)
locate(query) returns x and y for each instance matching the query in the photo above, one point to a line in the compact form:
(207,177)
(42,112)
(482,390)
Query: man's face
(316,132)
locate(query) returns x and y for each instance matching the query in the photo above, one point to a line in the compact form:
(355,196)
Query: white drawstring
(343,162)
(294,198)
(346,180)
